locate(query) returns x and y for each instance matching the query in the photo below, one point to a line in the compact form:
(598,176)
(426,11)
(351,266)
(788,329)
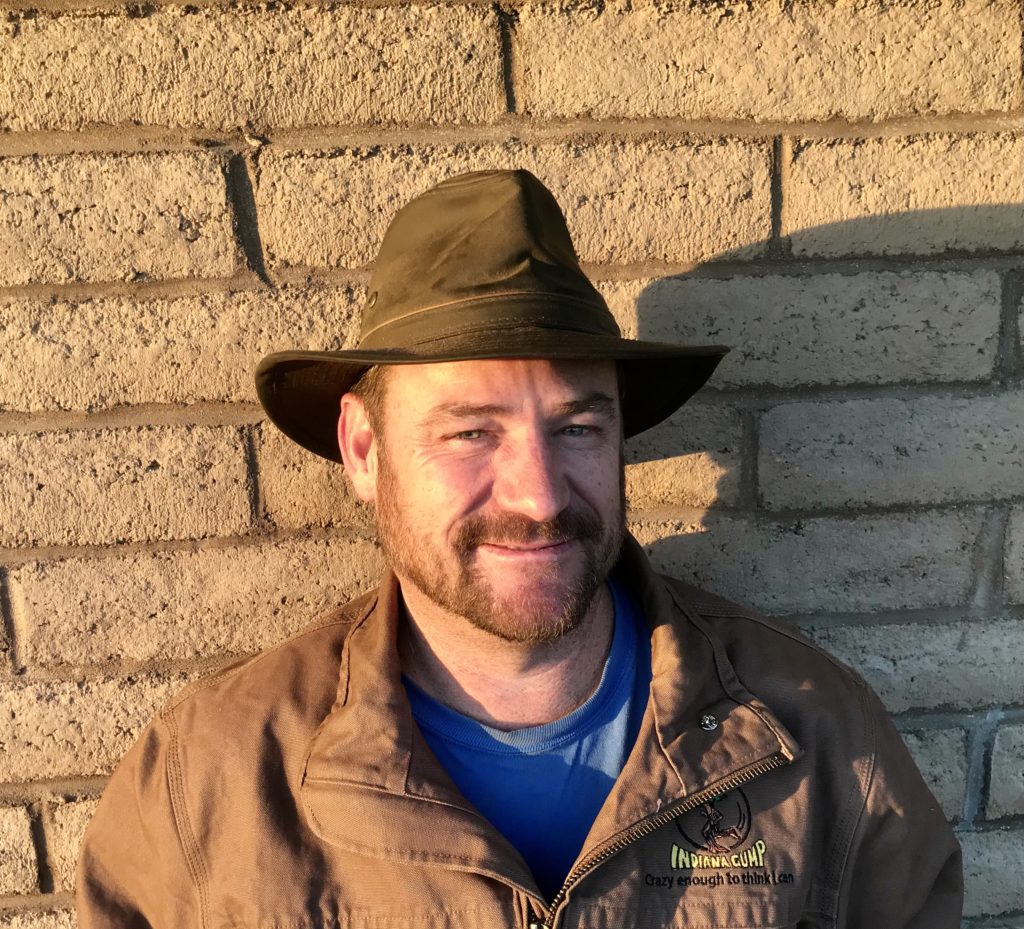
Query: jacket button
(708,722)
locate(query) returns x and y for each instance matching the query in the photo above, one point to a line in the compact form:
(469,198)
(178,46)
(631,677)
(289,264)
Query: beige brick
(75,729)
(814,61)
(692,459)
(1006,781)
(993,864)
(89,217)
(37,919)
(907,195)
(941,755)
(885,451)
(18,873)
(1014,564)
(920,665)
(821,565)
(867,328)
(105,352)
(126,484)
(301,489)
(185,604)
(624,201)
(69,822)
(224,68)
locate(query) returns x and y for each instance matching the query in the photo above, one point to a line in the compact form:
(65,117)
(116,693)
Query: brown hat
(480,266)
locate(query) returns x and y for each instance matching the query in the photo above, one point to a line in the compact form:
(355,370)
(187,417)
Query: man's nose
(529,479)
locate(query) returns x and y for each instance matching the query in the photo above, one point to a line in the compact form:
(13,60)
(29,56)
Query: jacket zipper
(649,825)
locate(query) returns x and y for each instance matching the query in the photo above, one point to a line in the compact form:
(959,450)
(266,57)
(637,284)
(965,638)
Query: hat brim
(300,390)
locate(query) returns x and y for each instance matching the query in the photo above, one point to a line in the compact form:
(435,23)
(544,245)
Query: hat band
(525,309)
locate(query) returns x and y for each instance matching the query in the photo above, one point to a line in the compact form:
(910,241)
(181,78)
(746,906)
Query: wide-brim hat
(480,266)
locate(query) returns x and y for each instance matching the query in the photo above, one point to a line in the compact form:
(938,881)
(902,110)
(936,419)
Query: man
(523,725)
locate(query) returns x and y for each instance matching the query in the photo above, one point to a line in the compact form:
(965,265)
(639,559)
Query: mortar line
(979,763)
(908,391)
(787,516)
(782,152)
(11,623)
(43,790)
(1010,354)
(507,21)
(104,8)
(789,266)
(148,290)
(914,616)
(39,814)
(750,491)
(726,269)
(144,415)
(257,508)
(936,721)
(986,593)
(13,903)
(15,557)
(238,182)
(995,922)
(509,129)
(169,669)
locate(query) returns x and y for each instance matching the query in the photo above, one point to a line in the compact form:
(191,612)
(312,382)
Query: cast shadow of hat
(858,306)
(845,318)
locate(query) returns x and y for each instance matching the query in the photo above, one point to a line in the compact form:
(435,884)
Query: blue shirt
(542,786)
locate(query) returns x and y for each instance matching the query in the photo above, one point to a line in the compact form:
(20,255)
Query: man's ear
(358,447)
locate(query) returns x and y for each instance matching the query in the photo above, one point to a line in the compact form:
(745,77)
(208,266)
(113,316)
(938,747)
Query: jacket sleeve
(904,868)
(133,869)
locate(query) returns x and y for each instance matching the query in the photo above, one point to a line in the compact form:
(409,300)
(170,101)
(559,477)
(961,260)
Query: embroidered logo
(719,825)
(716,848)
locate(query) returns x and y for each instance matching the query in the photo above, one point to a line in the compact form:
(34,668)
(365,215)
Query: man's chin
(530,613)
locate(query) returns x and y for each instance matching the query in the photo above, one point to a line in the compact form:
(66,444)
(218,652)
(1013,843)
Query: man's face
(499,488)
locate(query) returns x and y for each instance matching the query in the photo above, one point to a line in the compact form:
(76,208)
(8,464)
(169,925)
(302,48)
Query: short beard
(470,596)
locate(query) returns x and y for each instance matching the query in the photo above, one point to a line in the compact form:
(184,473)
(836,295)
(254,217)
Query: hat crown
(486,250)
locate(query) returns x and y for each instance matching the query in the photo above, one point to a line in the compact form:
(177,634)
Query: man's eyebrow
(461,410)
(593,403)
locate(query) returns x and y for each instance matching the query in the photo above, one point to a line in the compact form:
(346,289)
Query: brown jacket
(293,791)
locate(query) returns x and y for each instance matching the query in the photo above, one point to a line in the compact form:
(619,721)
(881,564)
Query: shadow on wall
(910,300)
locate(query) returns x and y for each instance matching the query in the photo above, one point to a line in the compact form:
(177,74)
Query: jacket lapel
(371,785)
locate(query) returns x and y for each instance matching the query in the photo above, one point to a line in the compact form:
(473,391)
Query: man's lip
(526,547)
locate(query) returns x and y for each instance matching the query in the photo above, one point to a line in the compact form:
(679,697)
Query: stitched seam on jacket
(358,617)
(341,616)
(737,612)
(176,781)
(852,820)
(362,918)
(734,684)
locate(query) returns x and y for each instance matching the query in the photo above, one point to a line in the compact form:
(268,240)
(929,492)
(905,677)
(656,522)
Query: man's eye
(578,431)
(467,435)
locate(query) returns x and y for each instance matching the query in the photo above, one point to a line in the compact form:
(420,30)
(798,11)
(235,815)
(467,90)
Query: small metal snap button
(708,722)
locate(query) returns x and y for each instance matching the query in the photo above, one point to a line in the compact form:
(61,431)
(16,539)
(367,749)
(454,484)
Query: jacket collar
(371,784)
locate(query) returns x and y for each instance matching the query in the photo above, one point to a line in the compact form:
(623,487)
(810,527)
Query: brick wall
(834,188)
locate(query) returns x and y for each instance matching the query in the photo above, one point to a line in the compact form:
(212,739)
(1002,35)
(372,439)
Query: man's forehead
(500,382)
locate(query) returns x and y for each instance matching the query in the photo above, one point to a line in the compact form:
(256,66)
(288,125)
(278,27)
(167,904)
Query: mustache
(505,528)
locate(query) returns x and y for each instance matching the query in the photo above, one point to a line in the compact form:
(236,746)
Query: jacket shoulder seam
(735,611)
(868,768)
(342,616)
(182,825)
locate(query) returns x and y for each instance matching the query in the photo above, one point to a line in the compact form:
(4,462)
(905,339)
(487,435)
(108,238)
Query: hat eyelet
(371,301)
